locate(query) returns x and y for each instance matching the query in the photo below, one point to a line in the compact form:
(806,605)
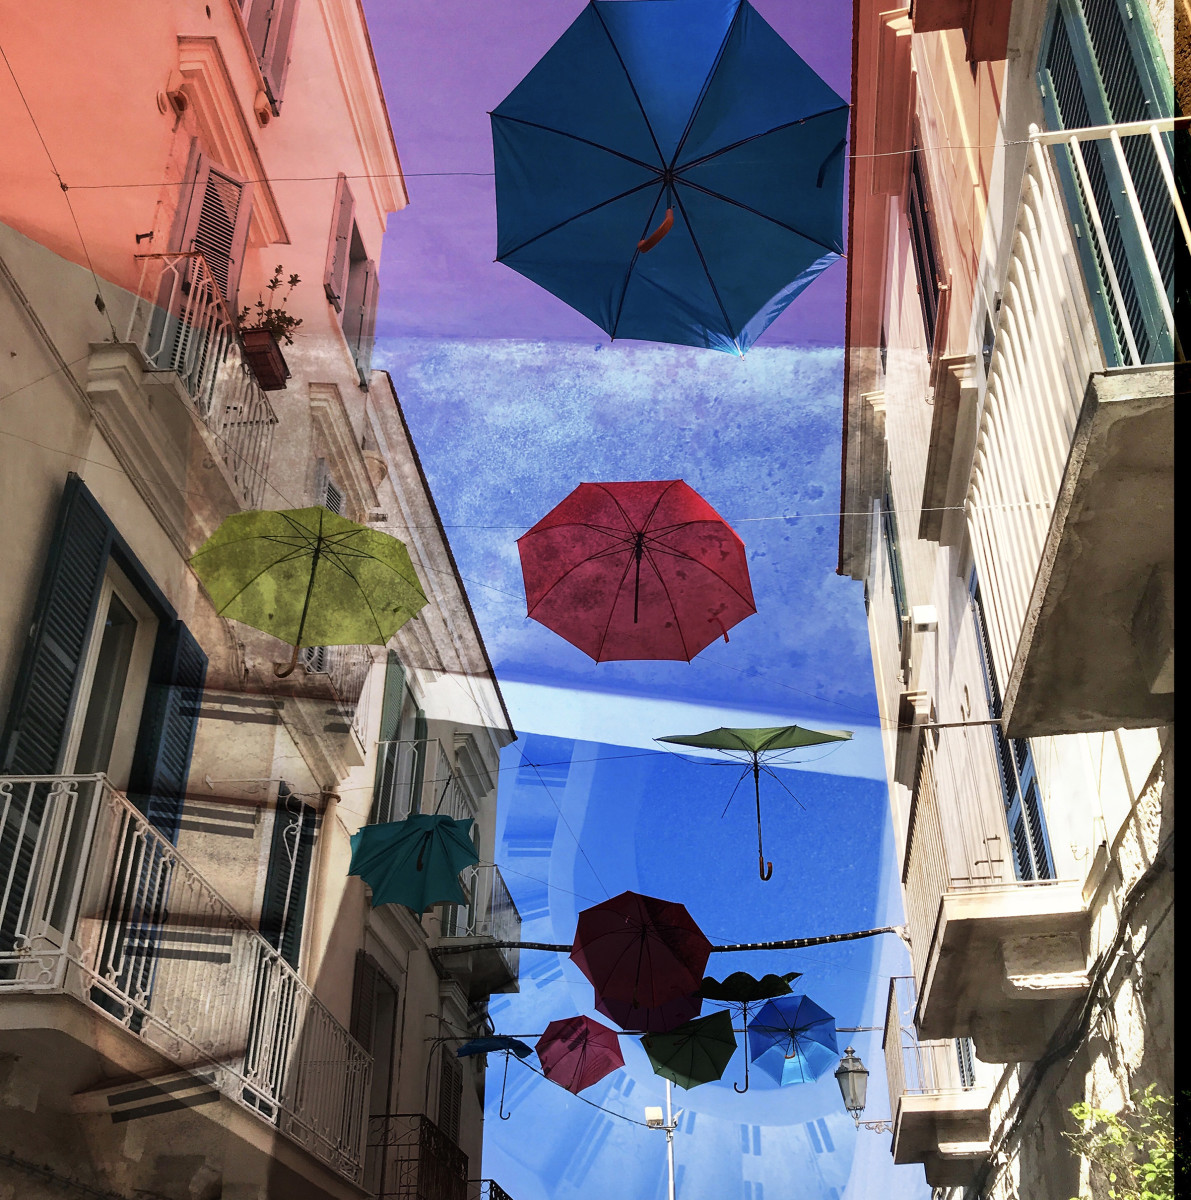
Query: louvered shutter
(366,337)
(271,26)
(169,720)
(283,908)
(450,1094)
(339,248)
(388,752)
(364,999)
(215,222)
(924,247)
(420,748)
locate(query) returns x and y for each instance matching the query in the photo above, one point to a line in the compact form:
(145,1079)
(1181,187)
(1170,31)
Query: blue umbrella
(486,1045)
(792,1039)
(415,862)
(672,170)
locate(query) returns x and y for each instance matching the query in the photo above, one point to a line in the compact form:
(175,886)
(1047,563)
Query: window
(897,576)
(350,280)
(1028,837)
(283,909)
(374,1025)
(271,26)
(923,246)
(450,1093)
(388,801)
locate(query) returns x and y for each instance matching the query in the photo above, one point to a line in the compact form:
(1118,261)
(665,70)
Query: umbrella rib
(754,137)
(364,596)
(629,81)
(574,567)
(669,600)
(774,775)
(698,105)
(633,260)
(612,609)
(706,271)
(263,571)
(698,187)
(637,162)
(711,570)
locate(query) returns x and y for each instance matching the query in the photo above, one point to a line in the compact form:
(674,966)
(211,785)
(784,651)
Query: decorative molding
(894,101)
(225,131)
(334,429)
(952,437)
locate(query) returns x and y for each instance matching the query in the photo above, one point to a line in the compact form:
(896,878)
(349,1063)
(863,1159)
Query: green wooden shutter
(388,752)
(420,748)
(169,720)
(364,999)
(450,1094)
(283,909)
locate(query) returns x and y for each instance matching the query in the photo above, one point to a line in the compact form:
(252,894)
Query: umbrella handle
(742,1090)
(765,868)
(645,245)
(281,670)
(501,1107)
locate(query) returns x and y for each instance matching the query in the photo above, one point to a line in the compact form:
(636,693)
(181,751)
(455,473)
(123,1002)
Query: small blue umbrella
(487,1045)
(672,170)
(792,1039)
(415,862)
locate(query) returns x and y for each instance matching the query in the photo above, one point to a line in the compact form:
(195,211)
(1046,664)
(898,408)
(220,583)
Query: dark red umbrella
(577,1052)
(651,1020)
(639,949)
(636,570)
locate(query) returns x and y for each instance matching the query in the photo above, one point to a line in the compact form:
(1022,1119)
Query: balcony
(1070,498)
(490,916)
(118,961)
(181,324)
(410,1158)
(486,1189)
(996,957)
(940,1115)
(346,669)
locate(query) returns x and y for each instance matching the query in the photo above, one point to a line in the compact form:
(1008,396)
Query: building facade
(195,999)
(1018,239)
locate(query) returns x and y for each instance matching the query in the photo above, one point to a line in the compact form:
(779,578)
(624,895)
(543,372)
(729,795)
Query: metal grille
(410,1158)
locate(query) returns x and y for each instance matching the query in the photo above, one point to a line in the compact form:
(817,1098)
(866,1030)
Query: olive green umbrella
(757,748)
(694,1053)
(310,578)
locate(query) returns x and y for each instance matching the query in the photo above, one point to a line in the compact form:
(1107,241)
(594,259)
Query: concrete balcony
(130,991)
(1070,504)
(410,1158)
(940,1115)
(996,958)
(471,944)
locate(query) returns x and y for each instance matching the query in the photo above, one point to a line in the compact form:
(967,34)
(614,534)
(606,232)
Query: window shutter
(364,999)
(924,248)
(213,219)
(339,249)
(366,335)
(420,738)
(47,681)
(283,909)
(165,741)
(271,30)
(387,750)
(450,1094)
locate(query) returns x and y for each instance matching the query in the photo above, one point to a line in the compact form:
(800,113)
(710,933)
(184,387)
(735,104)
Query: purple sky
(444,67)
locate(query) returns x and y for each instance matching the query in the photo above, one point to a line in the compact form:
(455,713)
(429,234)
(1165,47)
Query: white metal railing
(95,902)
(920,1068)
(181,323)
(346,668)
(489,912)
(1049,338)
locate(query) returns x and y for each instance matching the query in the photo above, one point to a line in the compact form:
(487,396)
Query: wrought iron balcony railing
(410,1158)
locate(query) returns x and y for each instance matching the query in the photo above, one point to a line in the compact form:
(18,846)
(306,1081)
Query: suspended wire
(610,1111)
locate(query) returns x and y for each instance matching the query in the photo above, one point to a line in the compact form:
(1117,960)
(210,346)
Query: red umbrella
(639,949)
(651,1020)
(578,1052)
(636,570)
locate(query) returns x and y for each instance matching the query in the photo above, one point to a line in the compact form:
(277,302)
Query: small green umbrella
(694,1053)
(415,862)
(310,578)
(741,988)
(748,746)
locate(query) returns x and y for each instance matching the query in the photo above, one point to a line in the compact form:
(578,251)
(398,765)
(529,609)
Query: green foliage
(272,315)
(1131,1151)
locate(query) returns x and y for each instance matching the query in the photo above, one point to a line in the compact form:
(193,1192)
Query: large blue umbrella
(671,169)
(793,1039)
(415,862)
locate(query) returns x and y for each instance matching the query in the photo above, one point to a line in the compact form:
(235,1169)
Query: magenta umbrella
(577,1052)
(640,949)
(661,1019)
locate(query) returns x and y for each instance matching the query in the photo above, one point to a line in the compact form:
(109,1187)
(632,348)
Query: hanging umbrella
(310,578)
(640,949)
(695,1053)
(636,571)
(793,1039)
(577,1052)
(741,990)
(757,748)
(673,171)
(487,1045)
(661,1019)
(415,862)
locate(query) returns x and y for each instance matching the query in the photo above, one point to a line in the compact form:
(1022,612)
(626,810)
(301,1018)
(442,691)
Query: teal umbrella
(415,862)
(757,748)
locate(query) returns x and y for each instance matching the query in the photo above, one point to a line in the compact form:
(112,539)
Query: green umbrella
(310,578)
(415,862)
(694,1053)
(748,746)
(741,988)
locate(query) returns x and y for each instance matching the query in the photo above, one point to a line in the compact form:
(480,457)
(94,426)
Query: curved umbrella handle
(765,868)
(281,670)
(500,1108)
(645,245)
(735,1087)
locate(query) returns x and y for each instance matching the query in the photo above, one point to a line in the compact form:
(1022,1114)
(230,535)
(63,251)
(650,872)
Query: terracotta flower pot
(262,352)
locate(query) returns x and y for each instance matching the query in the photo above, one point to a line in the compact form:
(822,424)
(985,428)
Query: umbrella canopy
(309,577)
(578,1051)
(756,748)
(651,1020)
(640,949)
(415,862)
(793,1039)
(636,571)
(695,1053)
(490,1045)
(742,988)
(688,118)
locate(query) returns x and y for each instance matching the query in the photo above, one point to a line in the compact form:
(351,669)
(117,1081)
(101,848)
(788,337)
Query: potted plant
(264,326)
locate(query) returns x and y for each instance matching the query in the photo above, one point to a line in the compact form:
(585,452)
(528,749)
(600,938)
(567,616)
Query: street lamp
(653,1118)
(852,1077)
